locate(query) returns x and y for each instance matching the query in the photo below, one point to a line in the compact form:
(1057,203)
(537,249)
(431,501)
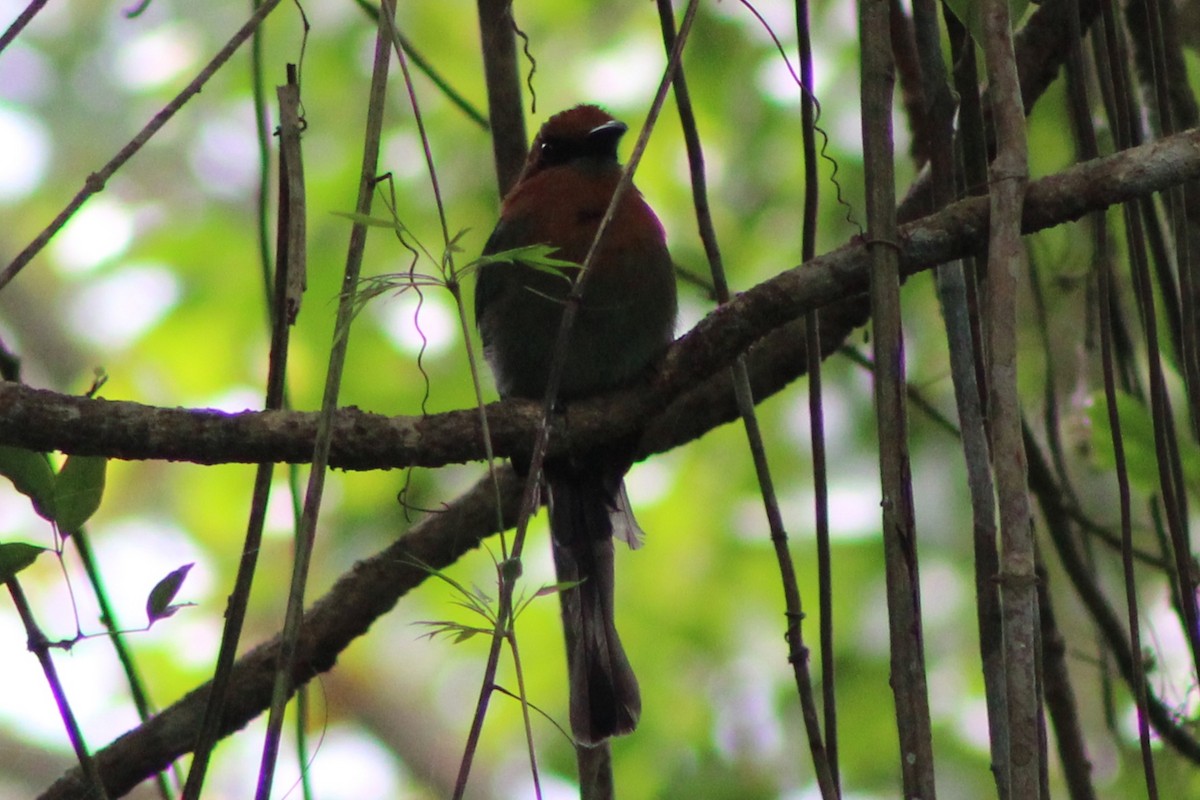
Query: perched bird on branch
(624,322)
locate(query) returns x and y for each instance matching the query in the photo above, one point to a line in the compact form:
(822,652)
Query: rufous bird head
(580,135)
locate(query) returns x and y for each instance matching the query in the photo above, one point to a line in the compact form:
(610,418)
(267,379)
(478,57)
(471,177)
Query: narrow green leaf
(536,256)
(78,491)
(363,219)
(158,604)
(555,588)
(31,475)
(16,556)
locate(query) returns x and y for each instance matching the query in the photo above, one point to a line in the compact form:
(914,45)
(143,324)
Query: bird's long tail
(604,692)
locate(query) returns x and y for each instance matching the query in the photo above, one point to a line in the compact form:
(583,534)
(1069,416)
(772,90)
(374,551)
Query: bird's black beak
(604,138)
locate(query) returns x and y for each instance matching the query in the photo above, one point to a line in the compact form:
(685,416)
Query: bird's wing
(489,281)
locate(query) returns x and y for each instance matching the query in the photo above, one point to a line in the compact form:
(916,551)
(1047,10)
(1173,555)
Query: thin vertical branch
(262,141)
(447,265)
(744,395)
(505,115)
(1171,487)
(899,528)
(291,259)
(1008,178)
(1088,148)
(1164,719)
(816,412)
(955,303)
(284,684)
(1105,278)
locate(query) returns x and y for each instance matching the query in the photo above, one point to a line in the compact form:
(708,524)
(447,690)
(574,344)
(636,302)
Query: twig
(39,647)
(137,689)
(1083,580)
(426,66)
(24,18)
(324,434)
(816,411)
(291,261)
(95,182)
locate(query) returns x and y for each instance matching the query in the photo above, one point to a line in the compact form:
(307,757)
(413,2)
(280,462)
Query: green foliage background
(699,608)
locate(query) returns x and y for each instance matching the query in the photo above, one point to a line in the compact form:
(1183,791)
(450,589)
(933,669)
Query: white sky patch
(234,400)
(942,592)
(516,783)
(853,513)
(350,764)
(837,416)
(281,519)
(100,231)
(779,15)
(777,81)
(224,155)
(403,155)
(691,312)
(624,76)
(434,325)
(18,520)
(853,510)
(971,723)
(24,154)
(116,309)
(1164,635)
(25,74)
(648,482)
(745,724)
(156,57)
(137,553)
(91,680)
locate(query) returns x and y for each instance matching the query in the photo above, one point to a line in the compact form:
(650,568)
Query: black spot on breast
(589,215)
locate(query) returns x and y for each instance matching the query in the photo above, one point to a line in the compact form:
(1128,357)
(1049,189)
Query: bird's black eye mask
(554,152)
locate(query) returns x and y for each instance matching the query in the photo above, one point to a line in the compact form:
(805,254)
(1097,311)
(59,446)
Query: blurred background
(158,281)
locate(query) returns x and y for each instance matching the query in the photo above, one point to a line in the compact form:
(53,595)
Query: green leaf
(363,219)
(457,632)
(16,556)
(555,588)
(536,256)
(78,491)
(158,604)
(32,476)
(1137,434)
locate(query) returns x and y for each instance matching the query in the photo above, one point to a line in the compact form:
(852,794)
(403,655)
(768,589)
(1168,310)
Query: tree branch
(691,375)
(369,590)
(698,402)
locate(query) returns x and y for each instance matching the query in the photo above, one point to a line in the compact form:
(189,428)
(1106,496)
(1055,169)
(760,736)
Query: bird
(624,323)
